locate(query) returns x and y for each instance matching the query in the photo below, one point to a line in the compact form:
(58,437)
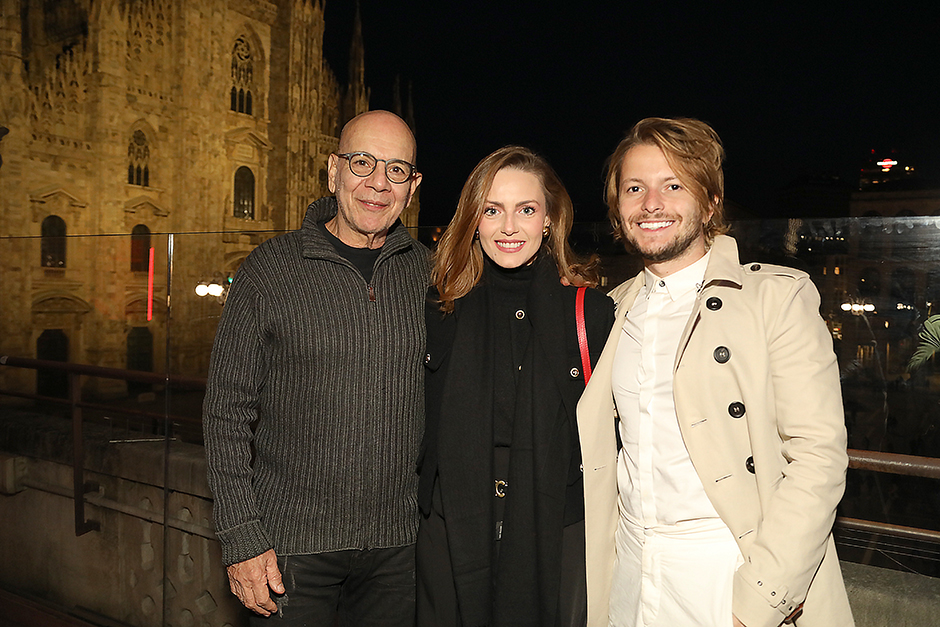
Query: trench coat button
(427,358)
(713,303)
(736,409)
(520,315)
(722,354)
(749,464)
(574,372)
(755,267)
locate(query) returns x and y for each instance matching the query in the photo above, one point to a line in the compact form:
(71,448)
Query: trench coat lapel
(723,270)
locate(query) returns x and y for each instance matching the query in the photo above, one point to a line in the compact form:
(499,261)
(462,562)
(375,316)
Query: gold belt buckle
(501,487)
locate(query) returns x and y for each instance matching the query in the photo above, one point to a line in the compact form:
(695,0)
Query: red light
(887,163)
(150,288)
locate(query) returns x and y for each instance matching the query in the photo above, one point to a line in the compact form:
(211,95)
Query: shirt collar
(678,284)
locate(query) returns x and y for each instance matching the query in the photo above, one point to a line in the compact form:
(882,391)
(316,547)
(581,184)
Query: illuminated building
(145,118)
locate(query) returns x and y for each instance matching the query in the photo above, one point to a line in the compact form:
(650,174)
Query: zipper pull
(371,293)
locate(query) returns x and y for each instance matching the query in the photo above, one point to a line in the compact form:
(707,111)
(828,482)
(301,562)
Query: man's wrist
(243,542)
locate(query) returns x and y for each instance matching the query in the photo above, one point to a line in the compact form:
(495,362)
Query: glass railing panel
(203,266)
(89,300)
(88,303)
(884,307)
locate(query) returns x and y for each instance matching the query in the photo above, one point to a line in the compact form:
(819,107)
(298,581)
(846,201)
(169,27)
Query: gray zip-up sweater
(323,373)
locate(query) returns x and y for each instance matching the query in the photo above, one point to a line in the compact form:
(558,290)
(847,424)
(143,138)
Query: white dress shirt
(657,483)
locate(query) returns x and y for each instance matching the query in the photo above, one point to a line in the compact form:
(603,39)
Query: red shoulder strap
(582,334)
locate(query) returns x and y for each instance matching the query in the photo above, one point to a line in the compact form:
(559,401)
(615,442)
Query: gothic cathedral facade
(208,119)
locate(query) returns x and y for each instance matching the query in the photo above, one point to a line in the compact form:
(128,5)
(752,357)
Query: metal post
(82,526)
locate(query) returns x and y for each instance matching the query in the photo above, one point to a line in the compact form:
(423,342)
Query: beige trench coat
(764,425)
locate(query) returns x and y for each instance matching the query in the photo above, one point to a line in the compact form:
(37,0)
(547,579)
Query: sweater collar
(317,246)
(517,277)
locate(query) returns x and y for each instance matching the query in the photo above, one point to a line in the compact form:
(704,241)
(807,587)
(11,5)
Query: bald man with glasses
(314,407)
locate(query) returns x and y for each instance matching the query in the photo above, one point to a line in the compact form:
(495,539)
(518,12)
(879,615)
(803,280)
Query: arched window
(138,160)
(52,248)
(244,193)
(52,345)
(140,248)
(241,77)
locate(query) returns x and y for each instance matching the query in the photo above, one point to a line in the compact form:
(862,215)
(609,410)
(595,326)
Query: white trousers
(674,575)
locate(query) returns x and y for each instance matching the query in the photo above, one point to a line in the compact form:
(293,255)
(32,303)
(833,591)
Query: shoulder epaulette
(771,269)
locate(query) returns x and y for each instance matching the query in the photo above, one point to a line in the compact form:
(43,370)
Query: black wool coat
(547,492)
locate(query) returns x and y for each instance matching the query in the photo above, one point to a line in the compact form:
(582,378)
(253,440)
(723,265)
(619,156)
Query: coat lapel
(551,325)
(723,270)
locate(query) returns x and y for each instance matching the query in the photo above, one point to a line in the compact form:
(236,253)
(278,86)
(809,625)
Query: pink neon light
(150,288)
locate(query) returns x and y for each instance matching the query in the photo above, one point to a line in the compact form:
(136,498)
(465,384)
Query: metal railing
(76,405)
(895,464)
(889,463)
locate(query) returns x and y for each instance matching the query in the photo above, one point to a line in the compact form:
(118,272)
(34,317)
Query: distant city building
(890,187)
(144,118)
(884,167)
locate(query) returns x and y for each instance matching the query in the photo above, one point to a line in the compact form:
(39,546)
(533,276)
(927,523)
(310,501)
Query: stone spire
(11,62)
(357,94)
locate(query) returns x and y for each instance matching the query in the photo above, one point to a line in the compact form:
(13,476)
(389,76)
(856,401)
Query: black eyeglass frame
(349,155)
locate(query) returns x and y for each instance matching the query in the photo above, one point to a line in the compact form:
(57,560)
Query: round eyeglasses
(363,164)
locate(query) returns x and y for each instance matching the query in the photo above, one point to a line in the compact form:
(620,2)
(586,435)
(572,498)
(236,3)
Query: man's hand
(250,580)
(737,623)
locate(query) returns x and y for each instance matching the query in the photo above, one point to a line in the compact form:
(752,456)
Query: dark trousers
(367,588)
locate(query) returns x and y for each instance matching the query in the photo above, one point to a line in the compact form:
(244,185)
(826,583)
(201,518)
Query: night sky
(795,90)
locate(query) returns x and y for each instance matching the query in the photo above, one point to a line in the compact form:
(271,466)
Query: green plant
(929,343)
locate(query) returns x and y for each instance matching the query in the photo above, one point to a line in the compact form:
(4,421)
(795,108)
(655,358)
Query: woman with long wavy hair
(501,540)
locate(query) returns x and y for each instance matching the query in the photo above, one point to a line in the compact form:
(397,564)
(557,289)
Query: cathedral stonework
(209,119)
